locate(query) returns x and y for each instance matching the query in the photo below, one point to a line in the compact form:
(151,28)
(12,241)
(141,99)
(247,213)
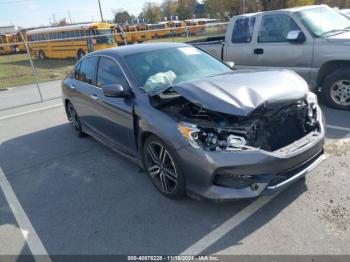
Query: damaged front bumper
(240,174)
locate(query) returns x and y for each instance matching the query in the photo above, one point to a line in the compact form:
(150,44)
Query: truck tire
(336,89)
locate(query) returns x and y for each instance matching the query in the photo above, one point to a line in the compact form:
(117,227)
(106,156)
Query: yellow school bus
(195,26)
(123,36)
(142,33)
(70,41)
(20,47)
(132,33)
(5,44)
(159,30)
(178,27)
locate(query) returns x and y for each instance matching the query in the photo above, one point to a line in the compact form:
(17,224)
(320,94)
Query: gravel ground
(330,191)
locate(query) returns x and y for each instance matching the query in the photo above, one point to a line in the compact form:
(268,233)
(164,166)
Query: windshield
(324,21)
(157,70)
(105,36)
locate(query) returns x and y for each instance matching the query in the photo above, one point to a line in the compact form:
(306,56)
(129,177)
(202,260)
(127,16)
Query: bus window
(104,36)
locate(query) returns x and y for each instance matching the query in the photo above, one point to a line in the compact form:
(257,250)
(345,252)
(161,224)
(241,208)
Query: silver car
(195,125)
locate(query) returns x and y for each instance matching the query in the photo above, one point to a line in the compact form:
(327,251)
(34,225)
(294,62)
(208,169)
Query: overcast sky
(27,13)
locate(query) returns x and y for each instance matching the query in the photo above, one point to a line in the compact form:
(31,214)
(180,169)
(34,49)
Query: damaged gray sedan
(195,125)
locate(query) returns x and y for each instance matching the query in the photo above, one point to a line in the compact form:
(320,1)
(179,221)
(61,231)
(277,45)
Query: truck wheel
(336,89)
(42,55)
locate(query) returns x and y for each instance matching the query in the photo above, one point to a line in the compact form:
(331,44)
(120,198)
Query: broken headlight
(211,139)
(312,98)
(312,105)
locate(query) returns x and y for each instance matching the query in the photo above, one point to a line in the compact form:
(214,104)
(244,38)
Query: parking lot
(61,195)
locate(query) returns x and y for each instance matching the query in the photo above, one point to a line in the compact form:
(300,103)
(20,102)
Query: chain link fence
(31,71)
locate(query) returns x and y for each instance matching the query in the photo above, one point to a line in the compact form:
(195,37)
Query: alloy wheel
(161,167)
(340,92)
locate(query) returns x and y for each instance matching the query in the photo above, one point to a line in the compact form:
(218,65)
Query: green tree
(121,16)
(185,8)
(222,8)
(152,12)
(169,8)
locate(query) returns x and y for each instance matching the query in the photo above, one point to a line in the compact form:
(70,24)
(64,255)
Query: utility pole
(99,4)
(70,18)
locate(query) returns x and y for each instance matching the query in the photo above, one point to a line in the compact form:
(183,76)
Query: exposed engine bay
(269,127)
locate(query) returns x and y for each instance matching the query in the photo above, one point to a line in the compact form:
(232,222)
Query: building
(8,29)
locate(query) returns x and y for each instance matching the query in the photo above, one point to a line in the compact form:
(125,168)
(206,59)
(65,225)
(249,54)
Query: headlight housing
(210,138)
(312,98)
(312,105)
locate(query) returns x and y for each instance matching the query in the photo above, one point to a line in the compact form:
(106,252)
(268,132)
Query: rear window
(243,30)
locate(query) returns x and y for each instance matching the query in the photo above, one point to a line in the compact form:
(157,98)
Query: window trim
(261,23)
(95,71)
(117,64)
(99,56)
(251,37)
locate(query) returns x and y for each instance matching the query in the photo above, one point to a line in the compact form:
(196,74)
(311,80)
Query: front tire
(336,89)
(74,120)
(162,166)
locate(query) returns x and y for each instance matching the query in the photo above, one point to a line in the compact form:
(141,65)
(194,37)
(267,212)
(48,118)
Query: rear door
(239,47)
(273,50)
(82,88)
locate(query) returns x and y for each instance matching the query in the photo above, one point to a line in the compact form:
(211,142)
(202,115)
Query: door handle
(258,51)
(94,97)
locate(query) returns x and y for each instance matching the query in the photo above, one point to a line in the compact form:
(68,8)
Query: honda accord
(194,124)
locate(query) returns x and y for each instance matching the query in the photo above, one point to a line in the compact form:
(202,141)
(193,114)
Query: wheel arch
(329,67)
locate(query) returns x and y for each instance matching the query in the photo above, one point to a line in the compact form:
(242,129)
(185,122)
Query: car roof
(122,51)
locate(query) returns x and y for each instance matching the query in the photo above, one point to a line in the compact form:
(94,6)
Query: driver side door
(273,50)
(114,119)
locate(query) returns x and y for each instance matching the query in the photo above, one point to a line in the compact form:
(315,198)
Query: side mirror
(296,36)
(230,64)
(115,90)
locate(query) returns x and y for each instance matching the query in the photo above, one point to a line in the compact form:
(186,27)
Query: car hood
(241,92)
(343,38)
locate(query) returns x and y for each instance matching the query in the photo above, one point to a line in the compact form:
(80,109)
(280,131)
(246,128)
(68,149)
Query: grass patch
(15,70)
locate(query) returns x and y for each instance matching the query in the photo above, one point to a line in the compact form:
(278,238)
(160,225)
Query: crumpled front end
(235,157)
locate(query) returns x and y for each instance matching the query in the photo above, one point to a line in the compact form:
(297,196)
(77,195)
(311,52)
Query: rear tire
(162,166)
(74,120)
(336,89)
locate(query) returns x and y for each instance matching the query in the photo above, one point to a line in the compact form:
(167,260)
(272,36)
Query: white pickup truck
(314,41)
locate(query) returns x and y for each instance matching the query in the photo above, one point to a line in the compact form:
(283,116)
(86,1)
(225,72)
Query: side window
(109,73)
(243,30)
(85,72)
(275,28)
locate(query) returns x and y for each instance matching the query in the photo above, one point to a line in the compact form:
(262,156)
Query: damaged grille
(282,126)
(270,127)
